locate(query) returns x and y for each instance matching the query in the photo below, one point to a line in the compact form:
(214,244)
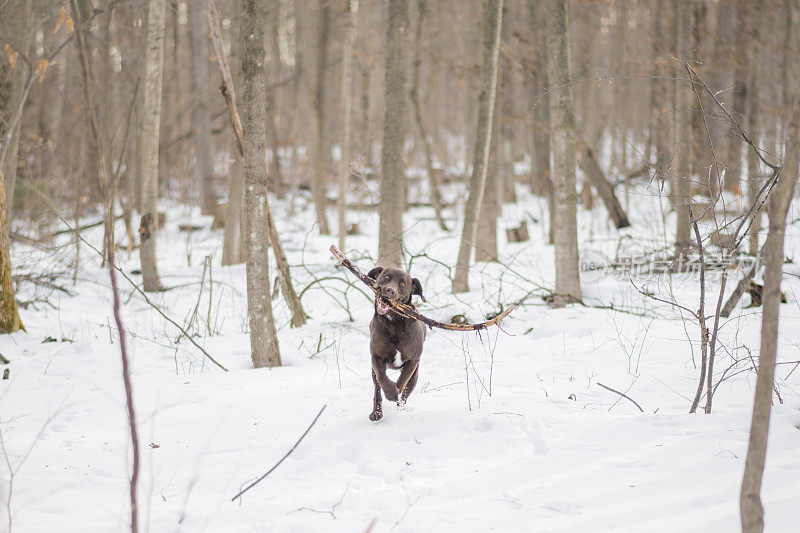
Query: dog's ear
(374,273)
(416,288)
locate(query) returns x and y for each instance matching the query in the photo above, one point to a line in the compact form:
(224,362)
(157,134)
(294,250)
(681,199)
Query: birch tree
(153,73)
(562,139)
(493,15)
(392,202)
(263,336)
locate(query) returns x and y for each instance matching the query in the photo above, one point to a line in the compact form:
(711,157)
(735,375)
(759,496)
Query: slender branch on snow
(623,395)
(276,465)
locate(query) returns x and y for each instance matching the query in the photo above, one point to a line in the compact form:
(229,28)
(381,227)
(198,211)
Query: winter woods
(622,173)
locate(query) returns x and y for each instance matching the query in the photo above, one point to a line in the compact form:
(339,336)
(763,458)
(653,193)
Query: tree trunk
(153,72)
(392,202)
(541,179)
(660,97)
(433,176)
(9,313)
(486,233)
(273,107)
(233,238)
(201,115)
(320,158)
(754,119)
(263,336)
(351,19)
(739,105)
(493,15)
(592,170)
(750,507)
(15,25)
(568,283)
(681,180)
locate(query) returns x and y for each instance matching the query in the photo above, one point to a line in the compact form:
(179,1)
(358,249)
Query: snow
(506,431)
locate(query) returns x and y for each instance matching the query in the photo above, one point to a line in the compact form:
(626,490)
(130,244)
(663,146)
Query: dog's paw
(376,415)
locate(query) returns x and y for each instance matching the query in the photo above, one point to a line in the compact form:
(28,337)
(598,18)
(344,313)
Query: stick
(408,311)
(254,483)
(623,395)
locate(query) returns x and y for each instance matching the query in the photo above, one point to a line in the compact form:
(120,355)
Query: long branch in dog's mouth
(381,306)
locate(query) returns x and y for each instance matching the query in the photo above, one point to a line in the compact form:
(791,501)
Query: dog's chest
(398,360)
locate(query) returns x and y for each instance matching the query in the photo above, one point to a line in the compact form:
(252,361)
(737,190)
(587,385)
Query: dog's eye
(402,283)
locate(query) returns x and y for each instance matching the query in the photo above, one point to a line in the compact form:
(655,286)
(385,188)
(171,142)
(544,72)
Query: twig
(256,482)
(408,311)
(623,395)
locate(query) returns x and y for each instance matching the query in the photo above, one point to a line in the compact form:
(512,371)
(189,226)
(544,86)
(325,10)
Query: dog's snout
(389,292)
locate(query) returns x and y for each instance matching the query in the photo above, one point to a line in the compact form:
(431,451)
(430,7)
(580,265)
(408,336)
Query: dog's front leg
(409,367)
(388,386)
(377,410)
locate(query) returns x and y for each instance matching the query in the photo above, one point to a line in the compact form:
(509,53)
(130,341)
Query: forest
(399,265)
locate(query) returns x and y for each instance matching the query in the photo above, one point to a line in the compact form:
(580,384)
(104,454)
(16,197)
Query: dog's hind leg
(377,410)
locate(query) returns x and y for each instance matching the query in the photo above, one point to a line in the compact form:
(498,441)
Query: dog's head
(394,284)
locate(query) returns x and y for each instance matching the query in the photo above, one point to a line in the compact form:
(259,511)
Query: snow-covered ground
(506,431)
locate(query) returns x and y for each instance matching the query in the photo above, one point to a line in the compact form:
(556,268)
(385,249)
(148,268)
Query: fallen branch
(623,395)
(276,465)
(408,311)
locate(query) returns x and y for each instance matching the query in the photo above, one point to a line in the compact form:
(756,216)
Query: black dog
(391,333)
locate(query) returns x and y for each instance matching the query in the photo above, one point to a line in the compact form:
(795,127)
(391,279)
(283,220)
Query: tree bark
(320,158)
(351,18)
(153,73)
(263,336)
(486,233)
(493,15)
(681,180)
(433,176)
(9,312)
(392,202)
(754,119)
(739,104)
(15,25)
(201,115)
(592,170)
(750,508)
(541,179)
(568,283)
(233,238)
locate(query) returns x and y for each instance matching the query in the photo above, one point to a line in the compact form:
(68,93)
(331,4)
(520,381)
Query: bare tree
(320,143)
(351,18)
(201,116)
(541,178)
(681,179)
(153,73)
(433,176)
(15,29)
(392,203)
(562,138)
(493,20)
(750,508)
(263,336)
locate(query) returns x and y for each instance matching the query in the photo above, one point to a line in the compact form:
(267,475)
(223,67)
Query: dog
(394,341)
